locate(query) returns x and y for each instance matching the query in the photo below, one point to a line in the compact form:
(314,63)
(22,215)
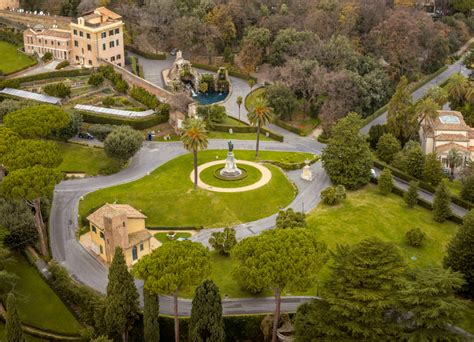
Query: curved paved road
(86,269)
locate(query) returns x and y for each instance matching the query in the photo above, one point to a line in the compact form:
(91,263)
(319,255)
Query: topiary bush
(415,237)
(100,132)
(47,57)
(57,89)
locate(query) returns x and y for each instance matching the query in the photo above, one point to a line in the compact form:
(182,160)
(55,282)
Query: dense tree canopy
(28,153)
(347,158)
(37,121)
(123,142)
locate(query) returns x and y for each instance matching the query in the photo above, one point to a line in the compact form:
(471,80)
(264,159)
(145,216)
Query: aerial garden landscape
(281,186)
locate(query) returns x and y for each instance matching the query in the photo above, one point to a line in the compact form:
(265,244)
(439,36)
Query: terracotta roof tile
(137,237)
(451,137)
(450,146)
(97,217)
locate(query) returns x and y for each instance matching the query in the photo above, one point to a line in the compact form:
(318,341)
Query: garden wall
(162,94)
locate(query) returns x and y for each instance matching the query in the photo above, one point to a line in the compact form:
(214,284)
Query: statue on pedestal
(230,170)
(307,174)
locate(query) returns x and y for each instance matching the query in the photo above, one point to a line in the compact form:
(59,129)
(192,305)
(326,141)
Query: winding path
(87,270)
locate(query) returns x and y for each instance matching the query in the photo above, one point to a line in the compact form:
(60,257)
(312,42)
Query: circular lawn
(168,198)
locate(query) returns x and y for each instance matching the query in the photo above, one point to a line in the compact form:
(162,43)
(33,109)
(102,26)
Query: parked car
(85,135)
(372,173)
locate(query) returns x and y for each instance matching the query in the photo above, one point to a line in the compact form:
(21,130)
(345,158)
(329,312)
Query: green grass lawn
(163,238)
(253,176)
(91,160)
(230,121)
(37,303)
(454,186)
(363,214)
(367,213)
(250,99)
(167,197)
(28,338)
(13,60)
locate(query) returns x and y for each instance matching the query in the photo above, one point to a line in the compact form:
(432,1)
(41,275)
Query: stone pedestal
(230,170)
(307,174)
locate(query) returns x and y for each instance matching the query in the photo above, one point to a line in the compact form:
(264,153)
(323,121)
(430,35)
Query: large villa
(95,35)
(445,133)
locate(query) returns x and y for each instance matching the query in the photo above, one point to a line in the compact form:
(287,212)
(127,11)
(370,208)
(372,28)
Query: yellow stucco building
(120,225)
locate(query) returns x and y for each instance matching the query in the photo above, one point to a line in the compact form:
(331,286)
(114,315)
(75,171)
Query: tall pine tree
(411,195)
(460,254)
(151,312)
(14,333)
(428,294)
(206,323)
(357,296)
(385,181)
(442,203)
(121,307)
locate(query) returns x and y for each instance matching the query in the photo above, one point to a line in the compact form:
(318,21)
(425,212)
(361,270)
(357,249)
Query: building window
(40,40)
(141,247)
(59,43)
(76,44)
(118,56)
(81,33)
(103,34)
(111,32)
(75,32)
(111,44)
(101,235)
(88,35)
(90,62)
(117,42)
(117,31)
(45,41)
(134,253)
(94,229)
(104,46)
(77,58)
(101,250)
(112,58)
(89,47)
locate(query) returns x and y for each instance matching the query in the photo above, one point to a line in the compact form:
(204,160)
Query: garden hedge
(291,166)
(247,129)
(141,123)
(422,184)
(173,228)
(52,74)
(149,55)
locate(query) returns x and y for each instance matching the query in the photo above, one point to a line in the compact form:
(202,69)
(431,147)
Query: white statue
(307,174)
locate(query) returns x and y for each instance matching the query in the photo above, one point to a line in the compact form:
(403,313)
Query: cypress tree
(121,306)
(385,181)
(432,170)
(151,312)
(14,333)
(442,203)
(387,147)
(460,254)
(206,323)
(411,196)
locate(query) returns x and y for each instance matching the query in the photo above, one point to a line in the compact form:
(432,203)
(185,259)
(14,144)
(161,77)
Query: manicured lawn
(233,122)
(454,186)
(28,338)
(13,60)
(91,160)
(237,136)
(167,197)
(164,239)
(253,176)
(366,213)
(37,303)
(363,214)
(252,97)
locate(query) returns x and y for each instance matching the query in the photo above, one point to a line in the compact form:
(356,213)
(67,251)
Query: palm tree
(457,87)
(259,116)
(194,138)
(438,95)
(426,108)
(454,160)
(239,103)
